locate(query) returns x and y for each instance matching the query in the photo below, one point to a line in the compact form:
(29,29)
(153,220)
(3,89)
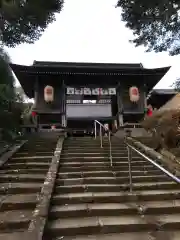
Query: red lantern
(33,114)
(49,94)
(134,94)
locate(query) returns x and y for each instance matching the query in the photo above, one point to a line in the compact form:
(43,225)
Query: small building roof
(158,97)
(97,72)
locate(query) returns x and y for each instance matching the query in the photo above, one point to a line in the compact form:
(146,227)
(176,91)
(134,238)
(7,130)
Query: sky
(92,31)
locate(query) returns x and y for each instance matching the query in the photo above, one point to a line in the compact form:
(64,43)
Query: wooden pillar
(36,93)
(120,106)
(145,96)
(36,88)
(63,117)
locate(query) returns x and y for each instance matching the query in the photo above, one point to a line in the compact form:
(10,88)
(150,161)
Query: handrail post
(130,169)
(95,129)
(169,174)
(110,149)
(101,136)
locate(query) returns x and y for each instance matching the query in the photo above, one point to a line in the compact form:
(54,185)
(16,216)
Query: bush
(10,110)
(164,126)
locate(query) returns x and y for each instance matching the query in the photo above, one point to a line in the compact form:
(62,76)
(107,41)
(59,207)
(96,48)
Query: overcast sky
(92,31)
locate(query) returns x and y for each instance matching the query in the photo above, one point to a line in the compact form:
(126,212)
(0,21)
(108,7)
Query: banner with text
(91,91)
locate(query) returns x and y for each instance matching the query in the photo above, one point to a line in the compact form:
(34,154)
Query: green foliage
(10,110)
(176,85)
(155,23)
(24,21)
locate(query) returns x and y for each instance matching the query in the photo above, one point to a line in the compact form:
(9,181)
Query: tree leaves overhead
(25,20)
(155,23)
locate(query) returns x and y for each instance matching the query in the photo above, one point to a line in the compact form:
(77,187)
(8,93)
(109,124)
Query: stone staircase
(21,179)
(91,199)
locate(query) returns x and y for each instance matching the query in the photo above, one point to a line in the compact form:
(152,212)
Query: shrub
(164,126)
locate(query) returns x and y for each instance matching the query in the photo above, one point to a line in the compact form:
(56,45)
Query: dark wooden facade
(92,75)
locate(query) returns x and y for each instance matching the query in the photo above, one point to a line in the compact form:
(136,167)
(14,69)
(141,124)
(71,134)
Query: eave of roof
(157,93)
(164,91)
(88,65)
(46,68)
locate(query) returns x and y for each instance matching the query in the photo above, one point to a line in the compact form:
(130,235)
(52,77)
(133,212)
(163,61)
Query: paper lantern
(49,94)
(115,124)
(33,114)
(134,94)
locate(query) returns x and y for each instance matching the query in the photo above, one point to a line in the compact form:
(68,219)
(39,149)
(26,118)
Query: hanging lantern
(134,94)
(33,114)
(53,127)
(49,94)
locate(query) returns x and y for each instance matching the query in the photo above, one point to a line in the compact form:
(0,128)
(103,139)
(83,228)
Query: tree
(155,23)
(10,109)
(20,95)
(23,21)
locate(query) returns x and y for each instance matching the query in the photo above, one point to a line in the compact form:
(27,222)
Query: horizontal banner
(91,91)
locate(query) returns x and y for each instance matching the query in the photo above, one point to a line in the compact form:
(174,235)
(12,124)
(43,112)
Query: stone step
(165,235)
(111,224)
(93,154)
(34,171)
(39,146)
(21,181)
(25,166)
(115,187)
(92,198)
(97,139)
(18,188)
(90,210)
(107,173)
(44,149)
(113,209)
(35,153)
(97,150)
(16,235)
(94,142)
(22,178)
(65,180)
(31,160)
(96,162)
(15,220)
(105,167)
(103,158)
(91,148)
(115,197)
(18,202)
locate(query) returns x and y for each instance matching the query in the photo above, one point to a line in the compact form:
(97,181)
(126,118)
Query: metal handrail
(101,137)
(130,149)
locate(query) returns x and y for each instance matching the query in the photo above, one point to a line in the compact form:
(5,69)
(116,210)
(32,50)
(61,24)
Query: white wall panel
(88,110)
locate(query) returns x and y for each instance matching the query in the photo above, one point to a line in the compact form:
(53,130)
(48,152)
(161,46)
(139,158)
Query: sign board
(87,91)
(105,91)
(91,91)
(112,91)
(70,91)
(78,91)
(95,91)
